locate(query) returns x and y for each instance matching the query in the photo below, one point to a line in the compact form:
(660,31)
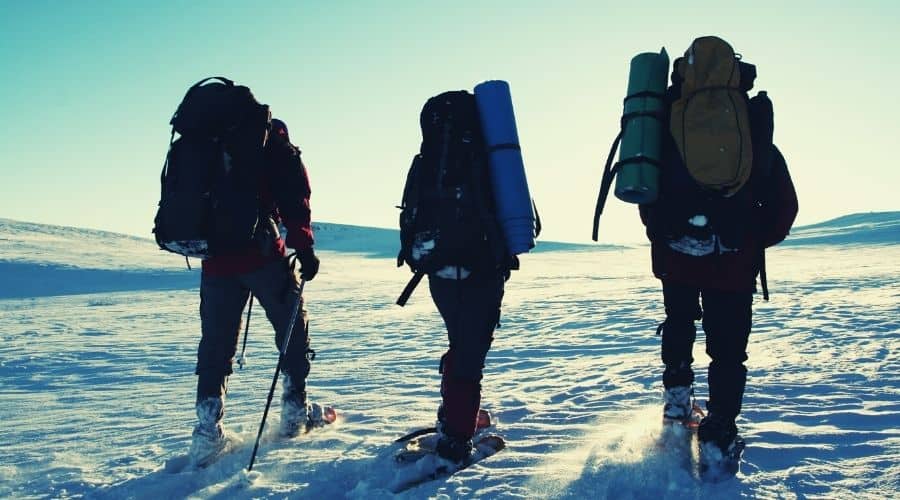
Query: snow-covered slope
(378,242)
(96,389)
(42,260)
(855,229)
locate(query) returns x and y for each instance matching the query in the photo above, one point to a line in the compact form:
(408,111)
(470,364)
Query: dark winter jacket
(756,217)
(284,199)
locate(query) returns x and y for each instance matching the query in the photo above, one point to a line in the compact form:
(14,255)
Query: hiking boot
(299,419)
(294,418)
(453,449)
(208,439)
(206,444)
(677,403)
(718,431)
(294,408)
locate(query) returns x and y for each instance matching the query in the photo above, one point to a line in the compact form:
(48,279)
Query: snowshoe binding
(300,419)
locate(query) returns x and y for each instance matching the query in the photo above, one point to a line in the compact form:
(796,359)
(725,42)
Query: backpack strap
(537,219)
(610,170)
(410,201)
(411,189)
(763,282)
(488,219)
(162,175)
(762,118)
(445,149)
(410,287)
(162,194)
(504,145)
(711,88)
(645,93)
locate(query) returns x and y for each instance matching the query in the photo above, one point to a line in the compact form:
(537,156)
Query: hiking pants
(471,310)
(222,299)
(726,319)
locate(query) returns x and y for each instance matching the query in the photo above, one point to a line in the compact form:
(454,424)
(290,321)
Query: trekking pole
(284,348)
(242,359)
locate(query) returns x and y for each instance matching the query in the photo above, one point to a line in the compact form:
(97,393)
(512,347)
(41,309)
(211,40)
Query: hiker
(449,231)
(264,270)
(708,236)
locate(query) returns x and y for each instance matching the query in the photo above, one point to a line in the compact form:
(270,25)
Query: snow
(99,337)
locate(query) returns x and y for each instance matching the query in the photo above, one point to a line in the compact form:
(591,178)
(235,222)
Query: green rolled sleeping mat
(637,180)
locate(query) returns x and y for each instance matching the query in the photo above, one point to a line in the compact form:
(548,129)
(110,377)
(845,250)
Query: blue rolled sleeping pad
(510,186)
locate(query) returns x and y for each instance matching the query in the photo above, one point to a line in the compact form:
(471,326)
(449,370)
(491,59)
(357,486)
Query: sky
(87,90)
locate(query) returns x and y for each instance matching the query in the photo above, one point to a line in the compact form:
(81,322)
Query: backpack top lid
(454,112)
(747,70)
(710,121)
(708,62)
(719,58)
(216,109)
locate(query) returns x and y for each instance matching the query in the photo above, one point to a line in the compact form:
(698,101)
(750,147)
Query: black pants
(470,309)
(727,318)
(222,301)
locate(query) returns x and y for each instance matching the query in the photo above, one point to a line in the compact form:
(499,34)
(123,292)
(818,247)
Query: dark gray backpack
(209,201)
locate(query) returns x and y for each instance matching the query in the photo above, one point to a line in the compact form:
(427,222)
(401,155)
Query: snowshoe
(718,465)
(483,421)
(426,464)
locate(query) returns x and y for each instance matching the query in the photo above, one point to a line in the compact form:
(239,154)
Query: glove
(309,263)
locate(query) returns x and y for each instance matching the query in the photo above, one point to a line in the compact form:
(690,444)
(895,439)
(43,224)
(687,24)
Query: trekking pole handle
(293,321)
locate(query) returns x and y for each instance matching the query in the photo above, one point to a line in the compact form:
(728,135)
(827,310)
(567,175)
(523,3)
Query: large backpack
(446,216)
(717,157)
(710,121)
(721,171)
(209,182)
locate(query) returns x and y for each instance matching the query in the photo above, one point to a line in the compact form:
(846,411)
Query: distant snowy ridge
(91,248)
(48,244)
(48,260)
(381,242)
(42,259)
(856,229)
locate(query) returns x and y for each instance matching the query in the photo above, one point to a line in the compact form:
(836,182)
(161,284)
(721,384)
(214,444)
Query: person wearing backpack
(231,179)
(449,232)
(265,271)
(721,203)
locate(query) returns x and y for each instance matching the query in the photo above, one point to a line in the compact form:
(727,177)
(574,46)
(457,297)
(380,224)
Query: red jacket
(734,271)
(284,193)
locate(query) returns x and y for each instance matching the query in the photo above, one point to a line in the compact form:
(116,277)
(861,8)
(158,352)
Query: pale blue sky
(87,89)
